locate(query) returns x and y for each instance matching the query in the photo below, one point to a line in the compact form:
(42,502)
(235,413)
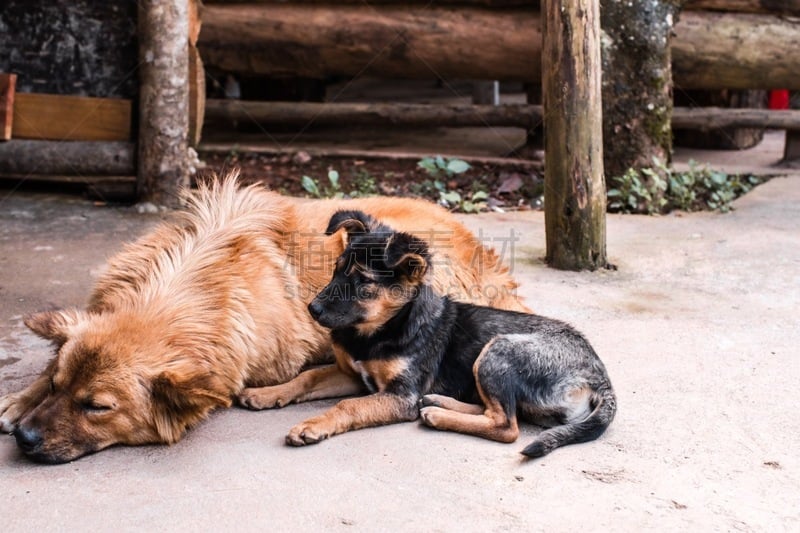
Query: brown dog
(207,309)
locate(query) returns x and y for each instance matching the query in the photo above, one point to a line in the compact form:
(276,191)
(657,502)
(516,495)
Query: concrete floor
(698,329)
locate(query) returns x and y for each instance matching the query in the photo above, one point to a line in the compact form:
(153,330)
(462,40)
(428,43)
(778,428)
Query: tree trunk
(710,50)
(163,166)
(575,195)
(637,84)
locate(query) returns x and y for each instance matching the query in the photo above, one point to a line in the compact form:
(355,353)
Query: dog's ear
(408,255)
(55,325)
(351,220)
(179,401)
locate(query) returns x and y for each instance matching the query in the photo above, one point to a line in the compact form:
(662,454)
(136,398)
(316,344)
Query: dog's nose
(27,438)
(315,308)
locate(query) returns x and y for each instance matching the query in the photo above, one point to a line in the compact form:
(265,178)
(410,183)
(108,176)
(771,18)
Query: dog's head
(104,389)
(378,273)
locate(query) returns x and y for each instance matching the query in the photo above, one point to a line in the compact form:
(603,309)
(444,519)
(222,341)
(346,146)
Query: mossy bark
(637,83)
(575,198)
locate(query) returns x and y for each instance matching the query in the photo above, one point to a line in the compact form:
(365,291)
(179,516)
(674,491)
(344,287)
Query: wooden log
(357,114)
(388,41)
(709,118)
(727,51)
(709,50)
(427,3)
(8,84)
(781,7)
(163,164)
(69,158)
(727,138)
(61,117)
(575,192)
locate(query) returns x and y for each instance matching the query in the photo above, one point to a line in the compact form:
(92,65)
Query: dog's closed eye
(93,406)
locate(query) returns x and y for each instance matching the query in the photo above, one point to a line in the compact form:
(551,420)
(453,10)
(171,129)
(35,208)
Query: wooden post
(163,167)
(575,193)
(791,149)
(8,84)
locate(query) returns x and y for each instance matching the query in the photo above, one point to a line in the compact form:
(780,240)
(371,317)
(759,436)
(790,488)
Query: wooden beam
(356,114)
(709,118)
(387,40)
(781,7)
(163,164)
(68,158)
(71,118)
(8,83)
(709,50)
(574,192)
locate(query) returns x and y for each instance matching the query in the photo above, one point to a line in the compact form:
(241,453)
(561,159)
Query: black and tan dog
(472,369)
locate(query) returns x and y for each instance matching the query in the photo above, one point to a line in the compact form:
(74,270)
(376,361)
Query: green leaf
(457,166)
(333,177)
(440,162)
(452,197)
(612,193)
(310,185)
(479,196)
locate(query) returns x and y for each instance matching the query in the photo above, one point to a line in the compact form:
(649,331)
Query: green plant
(439,167)
(639,191)
(313,187)
(363,184)
(695,189)
(471,204)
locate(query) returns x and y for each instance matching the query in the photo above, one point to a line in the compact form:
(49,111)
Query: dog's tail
(605,407)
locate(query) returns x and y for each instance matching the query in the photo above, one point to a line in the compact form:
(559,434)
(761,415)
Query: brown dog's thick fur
(208,307)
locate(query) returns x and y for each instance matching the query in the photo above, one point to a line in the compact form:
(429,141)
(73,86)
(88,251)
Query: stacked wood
(710,50)
(722,138)
(575,192)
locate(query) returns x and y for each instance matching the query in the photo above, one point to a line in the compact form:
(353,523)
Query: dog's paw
(262,398)
(306,433)
(10,412)
(431,415)
(431,400)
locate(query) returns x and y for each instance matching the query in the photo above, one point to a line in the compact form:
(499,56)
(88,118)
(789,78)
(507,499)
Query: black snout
(315,308)
(28,439)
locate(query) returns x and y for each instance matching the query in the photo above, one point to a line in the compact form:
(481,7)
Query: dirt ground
(698,328)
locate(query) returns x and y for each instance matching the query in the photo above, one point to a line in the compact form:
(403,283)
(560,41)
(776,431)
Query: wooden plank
(71,118)
(8,83)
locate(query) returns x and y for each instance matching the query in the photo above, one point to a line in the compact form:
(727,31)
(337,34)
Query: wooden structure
(575,193)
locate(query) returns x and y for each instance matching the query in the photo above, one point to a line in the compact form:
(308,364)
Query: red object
(779,99)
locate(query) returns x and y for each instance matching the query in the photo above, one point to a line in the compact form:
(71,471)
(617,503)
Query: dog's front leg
(354,413)
(14,406)
(313,384)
